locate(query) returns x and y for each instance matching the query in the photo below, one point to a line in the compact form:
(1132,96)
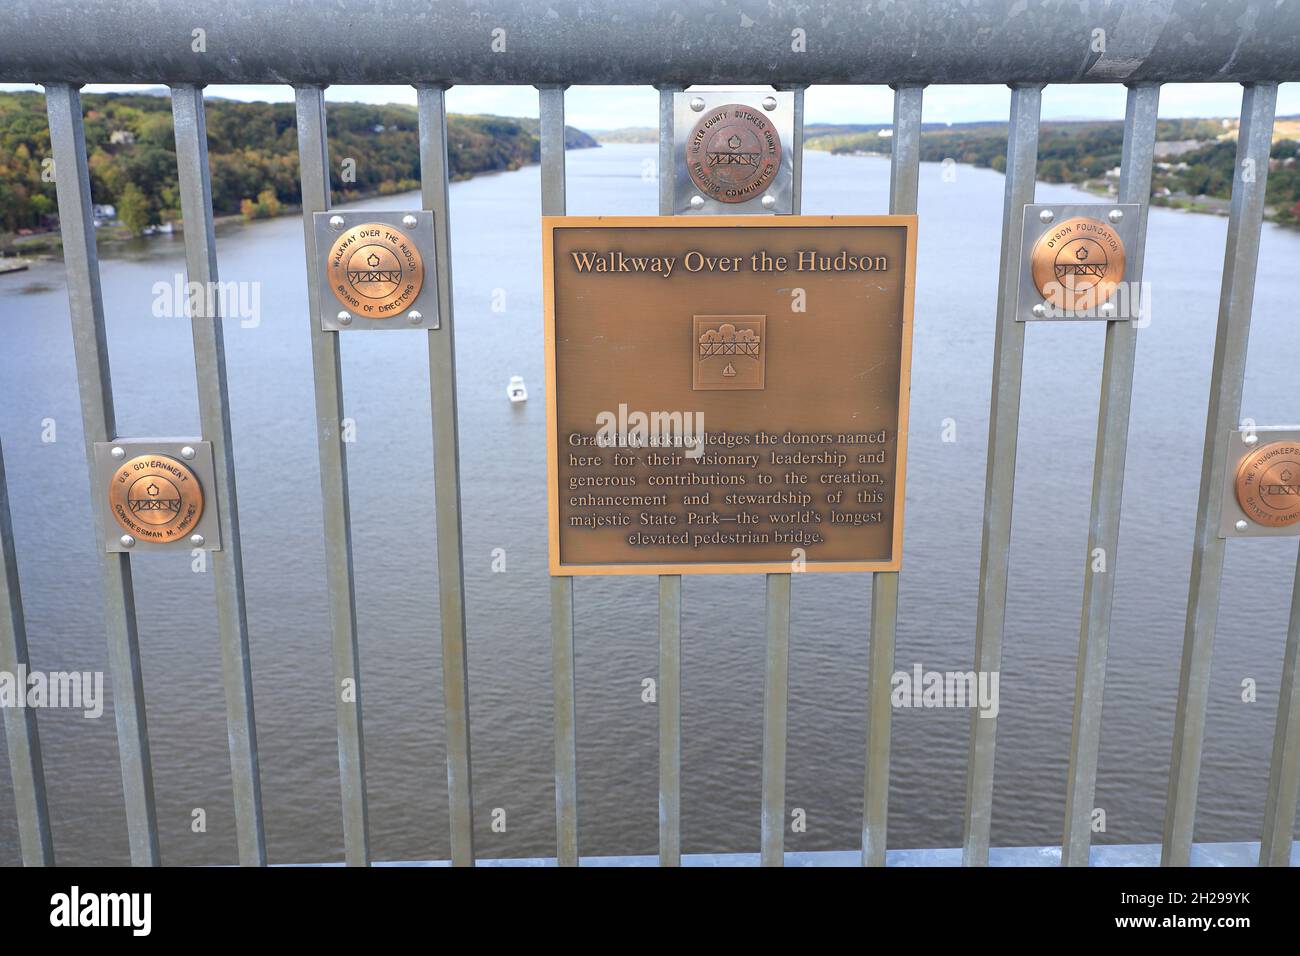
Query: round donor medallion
(733,153)
(1268,484)
(1078,264)
(155,498)
(375,271)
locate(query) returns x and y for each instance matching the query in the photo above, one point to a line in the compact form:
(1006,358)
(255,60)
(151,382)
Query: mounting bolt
(769,201)
(409,220)
(697,103)
(1039,310)
(697,202)
(1115,215)
(1249,439)
(1242,525)
(119,453)
(1046,215)
(1107,308)
(345,318)
(414,317)
(769,103)
(187,452)
(196,540)
(336,222)
(127,541)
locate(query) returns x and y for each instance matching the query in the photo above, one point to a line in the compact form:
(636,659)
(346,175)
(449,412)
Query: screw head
(769,103)
(1241,525)
(769,202)
(126,541)
(697,104)
(1106,308)
(345,318)
(409,220)
(187,452)
(336,222)
(196,540)
(1249,439)
(1115,215)
(1039,310)
(1046,215)
(414,317)
(118,453)
(697,202)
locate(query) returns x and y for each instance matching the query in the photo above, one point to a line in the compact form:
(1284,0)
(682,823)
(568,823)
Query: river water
(496,246)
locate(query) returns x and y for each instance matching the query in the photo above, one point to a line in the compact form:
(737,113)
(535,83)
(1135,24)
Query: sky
(612,107)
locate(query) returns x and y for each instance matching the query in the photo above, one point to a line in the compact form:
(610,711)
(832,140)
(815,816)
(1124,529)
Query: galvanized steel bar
(21,733)
(999,482)
(1245,216)
(904,185)
(76,227)
(684,41)
(434,178)
(670,720)
(776,686)
(214,416)
(313,153)
(670,595)
(1137,157)
(562,656)
(1284,768)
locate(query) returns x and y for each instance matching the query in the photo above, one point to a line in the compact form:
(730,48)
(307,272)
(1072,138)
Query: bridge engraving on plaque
(727,395)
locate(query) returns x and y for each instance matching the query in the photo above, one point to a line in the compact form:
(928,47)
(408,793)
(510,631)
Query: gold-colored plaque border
(551,223)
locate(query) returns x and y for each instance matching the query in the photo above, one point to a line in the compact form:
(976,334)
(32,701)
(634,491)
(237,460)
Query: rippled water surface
(496,234)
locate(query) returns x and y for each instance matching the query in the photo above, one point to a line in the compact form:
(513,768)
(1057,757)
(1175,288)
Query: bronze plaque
(375,270)
(1078,264)
(1268,484)
(733,153)
(155,498)
(727,394)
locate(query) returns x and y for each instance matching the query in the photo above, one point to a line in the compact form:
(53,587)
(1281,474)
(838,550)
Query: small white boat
(516,390)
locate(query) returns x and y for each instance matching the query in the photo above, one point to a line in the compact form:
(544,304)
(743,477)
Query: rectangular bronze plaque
(727,395)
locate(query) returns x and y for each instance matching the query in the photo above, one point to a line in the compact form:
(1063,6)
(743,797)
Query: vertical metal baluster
(328,374)
(214,415)
(1227,375)
(1107,490)
(776,684)
(72,180)
(904,183)
(446,462)
(670,593)
(1284,769)
(999,482)
(20,722)
(562,655)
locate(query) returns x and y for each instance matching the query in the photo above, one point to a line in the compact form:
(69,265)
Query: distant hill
(628,134)
(253,154)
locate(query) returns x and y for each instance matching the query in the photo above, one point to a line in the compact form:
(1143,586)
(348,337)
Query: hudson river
(497,279)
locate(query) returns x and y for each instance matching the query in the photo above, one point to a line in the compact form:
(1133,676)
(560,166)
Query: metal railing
(434,45)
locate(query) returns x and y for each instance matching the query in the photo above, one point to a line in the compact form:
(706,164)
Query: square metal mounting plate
(1128,304)
(1230,511)
(372,311)
(780,192)
(192,453)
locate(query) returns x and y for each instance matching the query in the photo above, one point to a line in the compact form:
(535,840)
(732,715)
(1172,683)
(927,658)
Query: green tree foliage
(133,209)
(252,153)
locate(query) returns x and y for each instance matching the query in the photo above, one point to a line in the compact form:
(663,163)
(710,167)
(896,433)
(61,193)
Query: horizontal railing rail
(430,45)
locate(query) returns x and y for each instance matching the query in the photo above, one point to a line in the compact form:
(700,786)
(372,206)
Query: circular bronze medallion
(155,498)
(1268,484)
(375,271)
(1078,264)
(733,153)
